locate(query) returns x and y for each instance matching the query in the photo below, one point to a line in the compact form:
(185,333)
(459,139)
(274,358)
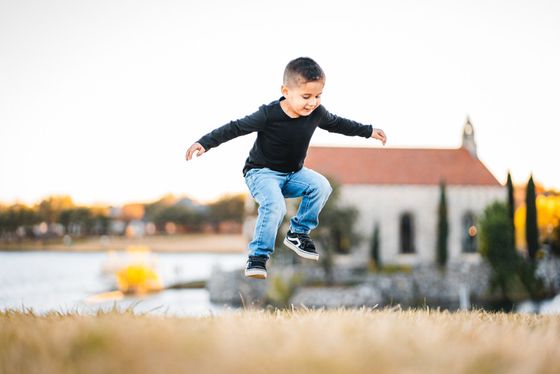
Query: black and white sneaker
(256,267)
(302,245)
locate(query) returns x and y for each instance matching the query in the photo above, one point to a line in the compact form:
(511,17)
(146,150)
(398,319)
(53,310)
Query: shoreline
(191,243)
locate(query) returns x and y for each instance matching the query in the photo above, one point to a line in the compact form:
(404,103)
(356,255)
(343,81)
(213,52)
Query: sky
(101,99)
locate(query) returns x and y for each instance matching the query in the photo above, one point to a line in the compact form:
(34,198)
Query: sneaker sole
(299,252)
(255,273)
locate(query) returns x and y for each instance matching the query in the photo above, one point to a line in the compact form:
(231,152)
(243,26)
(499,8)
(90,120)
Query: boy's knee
(276,208)
(324,187)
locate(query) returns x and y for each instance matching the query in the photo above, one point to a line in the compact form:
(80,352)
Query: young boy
(274,169)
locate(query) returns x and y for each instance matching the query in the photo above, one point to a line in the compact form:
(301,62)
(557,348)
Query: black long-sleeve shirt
(282,141)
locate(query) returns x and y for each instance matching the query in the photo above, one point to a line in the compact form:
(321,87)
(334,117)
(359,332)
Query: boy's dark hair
(303,70)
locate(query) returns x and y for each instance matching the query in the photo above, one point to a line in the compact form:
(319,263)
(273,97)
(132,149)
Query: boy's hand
(379,135)
(196,147)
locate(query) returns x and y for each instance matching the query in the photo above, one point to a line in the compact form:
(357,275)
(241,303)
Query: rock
(233,288)
(334,297)
(425,284)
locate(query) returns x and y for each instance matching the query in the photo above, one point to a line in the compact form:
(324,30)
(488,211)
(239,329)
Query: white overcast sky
(100,99)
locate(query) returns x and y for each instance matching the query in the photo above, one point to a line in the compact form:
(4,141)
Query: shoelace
(306,241)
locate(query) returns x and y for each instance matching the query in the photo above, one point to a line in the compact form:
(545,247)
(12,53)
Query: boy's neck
(287,110)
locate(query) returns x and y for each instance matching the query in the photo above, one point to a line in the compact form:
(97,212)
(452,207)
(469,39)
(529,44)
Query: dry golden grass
(301,341)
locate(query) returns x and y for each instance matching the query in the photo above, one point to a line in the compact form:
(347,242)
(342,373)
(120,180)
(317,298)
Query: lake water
(62,281)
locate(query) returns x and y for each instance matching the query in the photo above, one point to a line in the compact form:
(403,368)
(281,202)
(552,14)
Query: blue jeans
(269,188)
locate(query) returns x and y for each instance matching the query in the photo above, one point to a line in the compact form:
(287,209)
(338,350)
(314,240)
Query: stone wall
(233,288)
(424,285)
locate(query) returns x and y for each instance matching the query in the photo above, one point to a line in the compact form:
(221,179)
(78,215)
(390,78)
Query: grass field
(299,341)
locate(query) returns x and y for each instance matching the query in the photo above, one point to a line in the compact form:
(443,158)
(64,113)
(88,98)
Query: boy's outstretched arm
(243,126)
(339,125)
(379,135)
(196,147)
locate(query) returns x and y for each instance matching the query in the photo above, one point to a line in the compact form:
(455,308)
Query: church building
(398,189)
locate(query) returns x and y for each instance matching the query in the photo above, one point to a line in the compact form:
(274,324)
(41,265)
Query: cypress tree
(495,246)
(531,228)
(374,253)
(442,229)
(511,207)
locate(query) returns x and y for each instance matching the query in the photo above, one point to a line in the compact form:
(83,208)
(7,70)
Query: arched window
(469,233)
(406,233)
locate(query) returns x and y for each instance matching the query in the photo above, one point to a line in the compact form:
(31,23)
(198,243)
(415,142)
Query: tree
(51,207)
(154,209)
(531,228)
(79,220)
(443,228)
(375,256)
(496,247)
(102,222)
(336,232)
(15,216)
(228,208)
(554,240)
(511,206)
(178,214)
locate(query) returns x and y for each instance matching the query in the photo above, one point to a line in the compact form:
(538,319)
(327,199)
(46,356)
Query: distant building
(398,188)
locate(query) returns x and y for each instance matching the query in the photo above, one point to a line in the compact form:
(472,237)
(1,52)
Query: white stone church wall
(386,204)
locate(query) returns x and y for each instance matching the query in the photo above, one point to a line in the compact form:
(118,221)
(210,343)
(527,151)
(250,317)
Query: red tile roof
(414,166)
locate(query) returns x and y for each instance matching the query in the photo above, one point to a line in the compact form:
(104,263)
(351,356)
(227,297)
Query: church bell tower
(468,138)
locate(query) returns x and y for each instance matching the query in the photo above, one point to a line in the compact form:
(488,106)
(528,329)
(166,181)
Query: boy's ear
(284,90)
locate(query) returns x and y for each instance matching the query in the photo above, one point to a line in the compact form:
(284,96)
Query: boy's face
(301,99)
